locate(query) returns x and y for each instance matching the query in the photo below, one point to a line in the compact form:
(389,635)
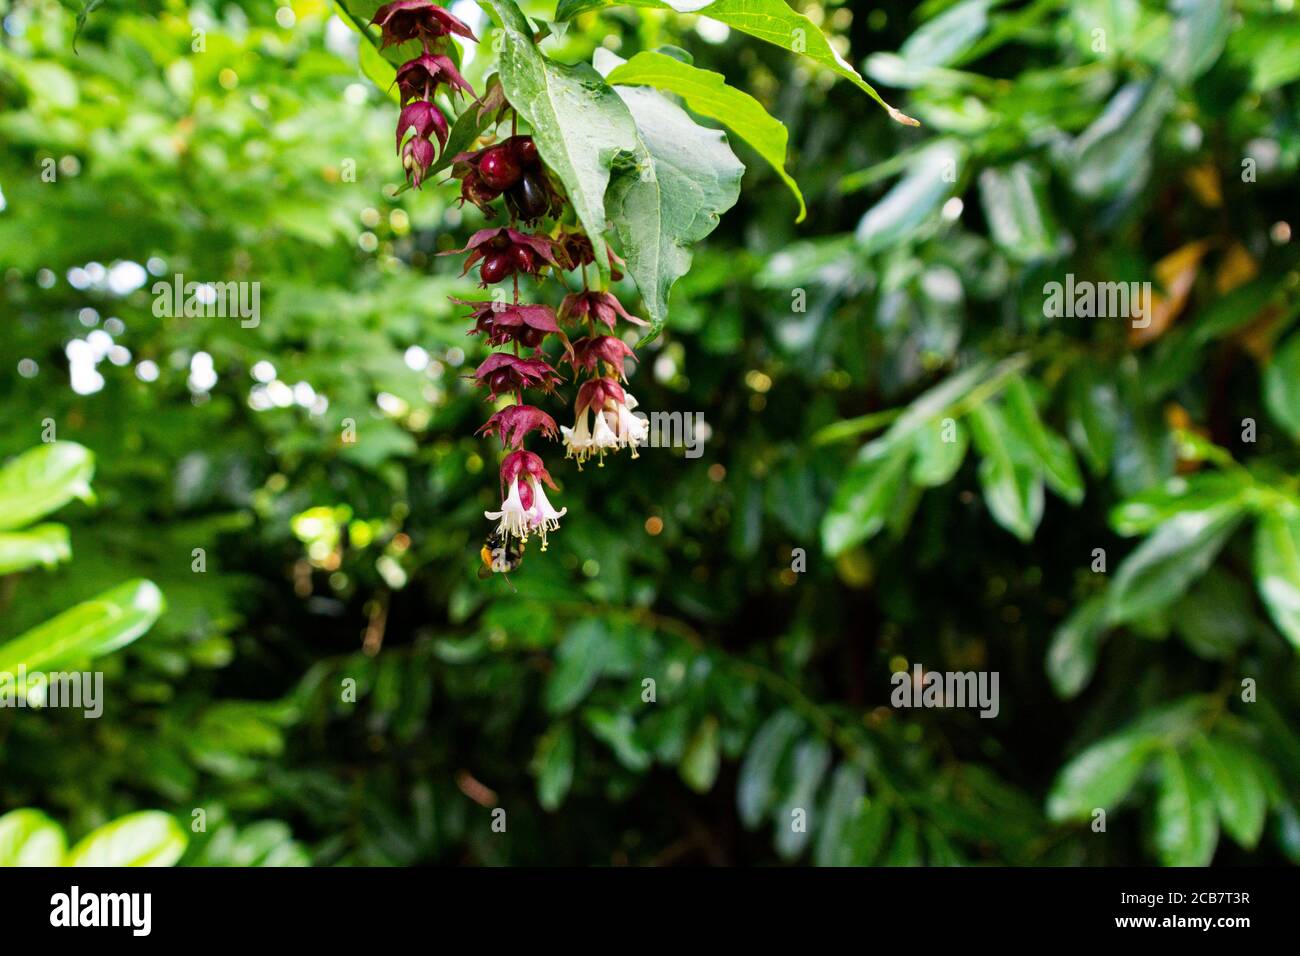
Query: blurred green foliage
(332,684)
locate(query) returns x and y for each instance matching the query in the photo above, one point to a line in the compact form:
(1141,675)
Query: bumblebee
(500,554)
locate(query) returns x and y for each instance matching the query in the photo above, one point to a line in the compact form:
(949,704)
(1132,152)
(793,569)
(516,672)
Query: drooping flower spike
(512,170)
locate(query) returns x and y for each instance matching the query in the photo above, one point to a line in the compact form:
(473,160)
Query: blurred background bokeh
(1118,140)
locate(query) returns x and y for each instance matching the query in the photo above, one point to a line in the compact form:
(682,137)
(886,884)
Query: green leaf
(867,832)
(708,94)
(1186,828)
(30,838)
(906,848)
(941,40)
(553,765)
(1196,37)
(812,757)
(1149,509)
(1277,571)
(1051,450)
(1020,218)
(91,629)
(578,665)
(915,200)
(1164,566)
(684,178)
(45,545)
(580,125)
(1099,777)
(1013,490)
(1112,157)
(923,410)
(1239,793)
(843,802)
(1093,405)
(769,20)
(1216,618)
(619,732)
(1072,655)
(938,461)
(42,480)
(756,789)
(864,498)
(147,838)
(1282,386)
(700,762)
(380,71)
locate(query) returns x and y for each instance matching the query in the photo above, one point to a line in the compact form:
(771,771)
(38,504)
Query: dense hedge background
(1115,141)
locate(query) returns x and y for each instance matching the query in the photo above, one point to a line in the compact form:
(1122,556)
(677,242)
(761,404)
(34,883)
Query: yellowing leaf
(1175,274)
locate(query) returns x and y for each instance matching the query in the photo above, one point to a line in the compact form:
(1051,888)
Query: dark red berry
(524,259)
(530,337)
(529,197)
(499,168)
(500,381)
(525,150)
(495,268)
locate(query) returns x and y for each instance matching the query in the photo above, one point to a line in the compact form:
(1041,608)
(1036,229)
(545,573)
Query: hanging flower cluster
(511,171)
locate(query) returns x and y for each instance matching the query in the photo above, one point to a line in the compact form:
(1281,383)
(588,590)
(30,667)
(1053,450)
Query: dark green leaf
(1164,566)
(794,818)
(1013,490)
(756,790)
(1186,828)
(1072,655)
(1099,777)
(842,804)
(553,765)
(1277,571)
(864,499)
(1237,789)
(699,766)
(578,665)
